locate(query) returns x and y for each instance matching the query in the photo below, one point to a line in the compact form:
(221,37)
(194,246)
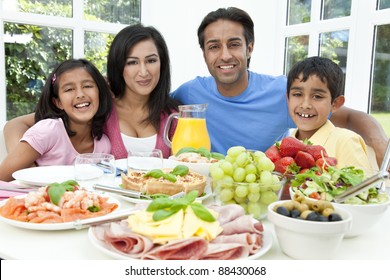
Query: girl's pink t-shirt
(49,138)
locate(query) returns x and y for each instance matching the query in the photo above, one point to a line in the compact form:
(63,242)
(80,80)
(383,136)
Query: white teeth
(226,67)
(81,105)
(305,115)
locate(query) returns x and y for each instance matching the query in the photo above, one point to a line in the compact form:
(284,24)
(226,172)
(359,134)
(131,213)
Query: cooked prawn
(35,198)
(45,206)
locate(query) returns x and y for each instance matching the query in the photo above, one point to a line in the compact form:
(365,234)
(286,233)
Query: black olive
(322,218)
(283,211)
(295,213)
(312,216)
(334,217)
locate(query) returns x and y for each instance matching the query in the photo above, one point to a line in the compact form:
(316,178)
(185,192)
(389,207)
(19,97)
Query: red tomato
(315,195)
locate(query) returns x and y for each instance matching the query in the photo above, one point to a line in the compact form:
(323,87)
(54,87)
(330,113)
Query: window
(39,34)
(360,46)
(380,96)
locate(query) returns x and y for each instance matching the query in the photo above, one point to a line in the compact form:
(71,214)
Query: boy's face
(309,105)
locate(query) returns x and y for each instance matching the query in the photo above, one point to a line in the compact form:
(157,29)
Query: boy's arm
(365,125)
(15,128)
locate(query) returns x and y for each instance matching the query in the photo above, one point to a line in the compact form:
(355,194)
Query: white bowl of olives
(308,233)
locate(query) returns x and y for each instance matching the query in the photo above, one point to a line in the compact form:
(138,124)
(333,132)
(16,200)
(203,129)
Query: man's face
(226,54)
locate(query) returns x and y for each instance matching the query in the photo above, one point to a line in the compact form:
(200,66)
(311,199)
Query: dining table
(71,244)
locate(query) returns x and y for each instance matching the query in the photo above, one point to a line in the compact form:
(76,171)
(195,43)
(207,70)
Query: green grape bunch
(246,177)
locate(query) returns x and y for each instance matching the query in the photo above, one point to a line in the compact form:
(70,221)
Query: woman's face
(142,68)
(78,95)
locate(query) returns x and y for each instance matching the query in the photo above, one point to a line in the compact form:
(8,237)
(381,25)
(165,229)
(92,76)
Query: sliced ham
(242,224)
(184,249)
(120,237)
(226,251)
(253,241)
(228,212)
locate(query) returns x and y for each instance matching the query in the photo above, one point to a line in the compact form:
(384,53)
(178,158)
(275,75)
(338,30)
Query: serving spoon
(382,175)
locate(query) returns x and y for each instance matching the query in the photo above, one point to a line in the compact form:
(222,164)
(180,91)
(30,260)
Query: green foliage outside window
(29,63)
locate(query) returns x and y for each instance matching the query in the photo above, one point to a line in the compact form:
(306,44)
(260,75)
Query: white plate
(44,175)
(53,226)
(103,247)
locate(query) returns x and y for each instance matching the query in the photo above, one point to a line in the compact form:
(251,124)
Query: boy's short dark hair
(324,68)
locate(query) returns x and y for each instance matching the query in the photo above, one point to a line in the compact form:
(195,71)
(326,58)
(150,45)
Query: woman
(138,68)
(141,94)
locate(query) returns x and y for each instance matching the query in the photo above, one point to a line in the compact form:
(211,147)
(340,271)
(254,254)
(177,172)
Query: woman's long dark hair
(46,109)
(159,100)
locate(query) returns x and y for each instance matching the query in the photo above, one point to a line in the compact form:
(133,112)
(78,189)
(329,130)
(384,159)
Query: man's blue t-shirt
(254,119)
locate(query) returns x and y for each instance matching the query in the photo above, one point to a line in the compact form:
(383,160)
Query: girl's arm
(15,128)
(22,156)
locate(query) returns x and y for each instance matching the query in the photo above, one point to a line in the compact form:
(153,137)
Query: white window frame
(361,25)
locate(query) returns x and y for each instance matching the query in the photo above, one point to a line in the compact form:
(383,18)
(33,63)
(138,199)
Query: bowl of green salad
(367,207)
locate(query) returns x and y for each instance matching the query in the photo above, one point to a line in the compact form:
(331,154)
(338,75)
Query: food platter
(104,248)
(122,164)
(50,226)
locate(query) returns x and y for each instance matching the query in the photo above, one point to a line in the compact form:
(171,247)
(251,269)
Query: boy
(315,88)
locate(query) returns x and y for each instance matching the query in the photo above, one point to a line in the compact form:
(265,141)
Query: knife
(130,193)
(13,189)
(119,216)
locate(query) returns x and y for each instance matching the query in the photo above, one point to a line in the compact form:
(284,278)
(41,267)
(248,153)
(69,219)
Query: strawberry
(304,160)
(323,162)
(317,151)
(273,153)
(289,146)
(282,165)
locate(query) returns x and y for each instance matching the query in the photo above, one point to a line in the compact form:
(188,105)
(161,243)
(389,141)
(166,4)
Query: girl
(70,116)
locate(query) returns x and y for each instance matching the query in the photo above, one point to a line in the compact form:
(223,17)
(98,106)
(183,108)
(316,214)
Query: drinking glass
(92,168)
(144,160)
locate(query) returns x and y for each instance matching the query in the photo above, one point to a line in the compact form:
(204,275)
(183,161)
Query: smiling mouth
(144,82)
(226,67)
(82,105)
(305,116)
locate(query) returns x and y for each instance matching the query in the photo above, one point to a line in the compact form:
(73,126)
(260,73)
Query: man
(247,108)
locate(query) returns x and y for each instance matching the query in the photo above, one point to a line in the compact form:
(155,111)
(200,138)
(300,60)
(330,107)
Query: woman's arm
(15,128)
(365,125)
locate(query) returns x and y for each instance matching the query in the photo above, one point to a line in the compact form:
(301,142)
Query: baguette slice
(136,181)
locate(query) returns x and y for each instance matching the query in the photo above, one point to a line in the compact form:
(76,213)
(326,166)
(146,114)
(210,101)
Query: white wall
(178,21)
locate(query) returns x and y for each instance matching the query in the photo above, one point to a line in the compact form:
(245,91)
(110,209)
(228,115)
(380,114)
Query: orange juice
(190,132)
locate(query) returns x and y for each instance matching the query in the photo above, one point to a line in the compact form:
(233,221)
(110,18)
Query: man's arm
(15,128)
(365,125)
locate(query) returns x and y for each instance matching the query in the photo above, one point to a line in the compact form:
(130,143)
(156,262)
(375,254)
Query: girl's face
(142,68)
(78,95)
(309,105)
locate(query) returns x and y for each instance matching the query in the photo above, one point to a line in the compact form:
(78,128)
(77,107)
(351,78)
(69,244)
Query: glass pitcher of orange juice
(191,130)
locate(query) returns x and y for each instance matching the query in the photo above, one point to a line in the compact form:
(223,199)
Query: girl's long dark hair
(46,109)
